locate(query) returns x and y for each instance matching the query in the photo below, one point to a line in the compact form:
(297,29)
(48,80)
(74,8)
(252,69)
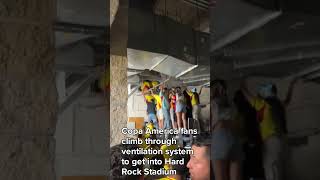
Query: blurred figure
(188,105)
(164,95)
(199,164)
(117,166)
(195,102)
(151,109)
(160,115)
(172,98)
(226,148)
(246,128)
(271,116)
(181,109)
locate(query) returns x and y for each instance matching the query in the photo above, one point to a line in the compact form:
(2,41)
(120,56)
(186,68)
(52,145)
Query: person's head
(200,164)
(219,88)
(165,91)
(116,162)
(155,91)
(194,90)
(181,169)
(171,92)
(267,90)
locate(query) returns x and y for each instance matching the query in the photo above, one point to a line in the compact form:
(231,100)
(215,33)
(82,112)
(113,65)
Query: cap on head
(267,90)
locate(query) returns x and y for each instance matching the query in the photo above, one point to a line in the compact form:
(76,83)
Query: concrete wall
(118,97)
(81,138)
(303,113)
(136,106)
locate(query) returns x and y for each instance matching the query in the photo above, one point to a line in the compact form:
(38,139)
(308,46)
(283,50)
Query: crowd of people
(170,108)
(248,132)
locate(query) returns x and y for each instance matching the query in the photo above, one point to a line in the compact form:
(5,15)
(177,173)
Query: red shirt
(173,102)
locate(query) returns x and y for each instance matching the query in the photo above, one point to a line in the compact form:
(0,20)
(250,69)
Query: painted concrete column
(114,4)
(28,95)
(118,97)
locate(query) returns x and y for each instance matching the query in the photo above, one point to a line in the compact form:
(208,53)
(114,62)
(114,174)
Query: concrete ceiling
(160,42)
(83,12)
(190,12)
(282,45)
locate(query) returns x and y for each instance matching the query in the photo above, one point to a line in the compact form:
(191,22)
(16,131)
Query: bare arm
(288,98)
(200,90)
(144,96)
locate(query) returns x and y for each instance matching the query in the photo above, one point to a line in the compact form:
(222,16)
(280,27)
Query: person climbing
(195,102)
(172,98)
(246,128)
(151,109)
(226,149)
(272,119)
(181,109)
(188,105)
(164,95)
(155,94)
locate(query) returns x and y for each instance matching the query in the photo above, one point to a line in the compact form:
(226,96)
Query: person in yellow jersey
(154,84)
(159,108)
(146,85)
(151,109)
(271,116)
(195,102)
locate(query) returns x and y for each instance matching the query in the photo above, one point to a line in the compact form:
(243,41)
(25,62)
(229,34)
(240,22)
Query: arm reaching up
(288,98)
(200,90)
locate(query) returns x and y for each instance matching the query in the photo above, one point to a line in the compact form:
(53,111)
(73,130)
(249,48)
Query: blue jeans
(167,119)
(225,146)
(153,119)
